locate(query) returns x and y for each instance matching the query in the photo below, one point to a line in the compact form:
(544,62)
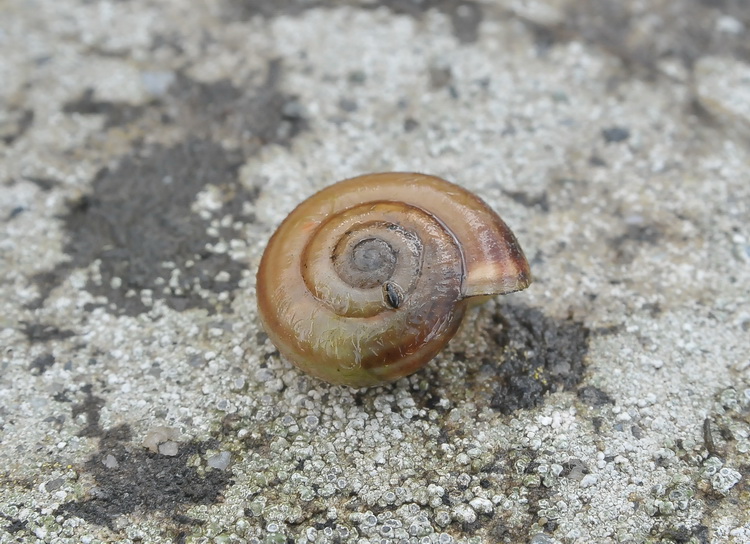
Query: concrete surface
(148,148)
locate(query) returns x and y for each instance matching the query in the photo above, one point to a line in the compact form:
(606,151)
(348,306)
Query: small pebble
(169,449)
(589,480)
(220,461)
(483,506)
(464,513)
(110,461)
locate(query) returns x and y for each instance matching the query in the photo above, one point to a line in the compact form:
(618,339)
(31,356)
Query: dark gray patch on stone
(536,354)
(626,245)
(681,29)
(615,134)
(142,481)
(221,111)
(20,122)
(42,364)
(250,116)
(268,9)
(43,332)
(137,221)
(146,483)
(593,396)
(465,16)
(46,282)
(14,526)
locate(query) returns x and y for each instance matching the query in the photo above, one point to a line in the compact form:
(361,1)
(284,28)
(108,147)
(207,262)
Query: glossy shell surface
(368,279)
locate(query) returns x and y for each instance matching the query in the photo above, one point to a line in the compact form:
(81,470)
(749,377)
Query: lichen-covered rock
(149,149)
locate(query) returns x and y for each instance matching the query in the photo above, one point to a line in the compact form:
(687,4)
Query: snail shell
(368,279)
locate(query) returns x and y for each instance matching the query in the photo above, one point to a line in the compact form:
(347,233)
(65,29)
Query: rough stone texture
(149,148)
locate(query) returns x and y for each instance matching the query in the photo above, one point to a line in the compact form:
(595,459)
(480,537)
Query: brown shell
(367,280)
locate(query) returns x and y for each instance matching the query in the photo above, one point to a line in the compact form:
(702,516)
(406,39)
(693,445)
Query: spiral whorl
(367,280)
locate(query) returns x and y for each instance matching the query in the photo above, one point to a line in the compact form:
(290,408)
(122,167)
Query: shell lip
(499,278)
